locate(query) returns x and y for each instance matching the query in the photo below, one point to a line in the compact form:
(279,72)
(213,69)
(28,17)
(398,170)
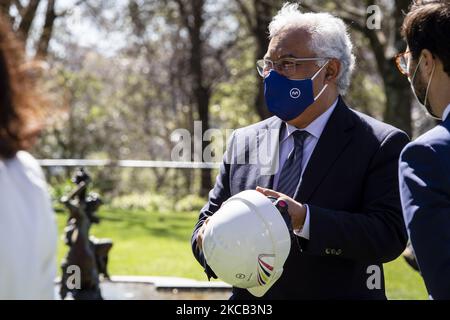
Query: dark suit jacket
(425,192)
(351,187)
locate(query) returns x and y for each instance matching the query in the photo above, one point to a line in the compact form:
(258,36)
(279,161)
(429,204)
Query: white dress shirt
(28,234)
(315,130)
(446,113)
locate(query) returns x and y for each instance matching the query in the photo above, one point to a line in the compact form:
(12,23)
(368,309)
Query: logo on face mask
(295,93)
(287,98)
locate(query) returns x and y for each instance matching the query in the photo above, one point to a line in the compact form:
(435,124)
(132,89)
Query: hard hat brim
(260,291)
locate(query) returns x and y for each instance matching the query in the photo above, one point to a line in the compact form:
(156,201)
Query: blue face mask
(286,98)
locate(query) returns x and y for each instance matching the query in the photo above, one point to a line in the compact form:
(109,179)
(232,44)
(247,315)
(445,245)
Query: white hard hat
(246,242)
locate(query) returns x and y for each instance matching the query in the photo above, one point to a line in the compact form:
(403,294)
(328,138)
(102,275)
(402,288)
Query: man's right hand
(200,233)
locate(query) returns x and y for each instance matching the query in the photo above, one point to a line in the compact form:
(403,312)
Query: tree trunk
(200,88)
(398,100)
(28,18)
(203,97)
(396,85)
(47,31)
(258,19)
(263,15)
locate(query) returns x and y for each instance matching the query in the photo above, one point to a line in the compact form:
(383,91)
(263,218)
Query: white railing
(127,163)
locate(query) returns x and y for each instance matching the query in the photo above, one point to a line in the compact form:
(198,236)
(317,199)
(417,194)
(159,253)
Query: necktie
(292,168)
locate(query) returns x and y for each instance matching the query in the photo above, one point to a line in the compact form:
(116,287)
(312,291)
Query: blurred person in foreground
(28,232)
(424,169)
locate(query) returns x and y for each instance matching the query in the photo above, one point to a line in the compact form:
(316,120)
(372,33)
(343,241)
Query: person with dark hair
(28,232)
(424,170)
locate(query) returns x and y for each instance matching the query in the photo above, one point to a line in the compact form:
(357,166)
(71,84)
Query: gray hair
(329,37)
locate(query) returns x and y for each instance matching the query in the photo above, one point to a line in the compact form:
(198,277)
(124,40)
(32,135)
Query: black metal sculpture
(88,254)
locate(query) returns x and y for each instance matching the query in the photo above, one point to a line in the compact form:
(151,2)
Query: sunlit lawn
(402,282)
(145,243)
(158,244)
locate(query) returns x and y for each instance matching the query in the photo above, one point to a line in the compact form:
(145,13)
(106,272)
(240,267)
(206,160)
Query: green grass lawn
(158,244)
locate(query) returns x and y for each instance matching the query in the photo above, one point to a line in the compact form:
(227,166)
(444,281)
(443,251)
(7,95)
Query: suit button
(327,251)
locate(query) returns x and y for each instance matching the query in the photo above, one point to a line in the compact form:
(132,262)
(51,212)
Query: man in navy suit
(336,168)
(425,163)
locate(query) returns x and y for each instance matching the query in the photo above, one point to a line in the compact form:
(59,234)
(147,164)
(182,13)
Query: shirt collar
(446,113)
(316,127)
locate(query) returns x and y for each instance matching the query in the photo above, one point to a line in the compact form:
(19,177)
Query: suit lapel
(335,137)
(268,153)
(265,181)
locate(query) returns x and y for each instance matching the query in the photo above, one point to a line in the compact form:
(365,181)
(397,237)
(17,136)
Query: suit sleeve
(377,234)
(425,189)
(219,194)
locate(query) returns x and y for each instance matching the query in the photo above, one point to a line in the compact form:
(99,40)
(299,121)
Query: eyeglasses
(288,66)
(401,60)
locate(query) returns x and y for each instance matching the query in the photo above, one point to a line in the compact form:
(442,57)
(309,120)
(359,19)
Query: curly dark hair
(21,105)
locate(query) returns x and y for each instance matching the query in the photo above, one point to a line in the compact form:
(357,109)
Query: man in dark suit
(336,168)
(425,163)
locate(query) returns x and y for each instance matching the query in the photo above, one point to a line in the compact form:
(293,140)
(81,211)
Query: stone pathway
(162,288)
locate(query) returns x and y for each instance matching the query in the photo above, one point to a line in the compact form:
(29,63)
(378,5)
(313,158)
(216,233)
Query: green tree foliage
(123,99)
